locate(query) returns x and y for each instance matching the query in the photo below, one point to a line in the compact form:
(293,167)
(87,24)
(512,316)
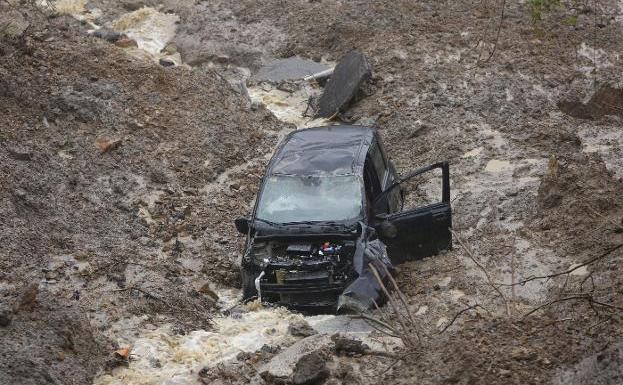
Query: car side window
(373,189)
(379,162)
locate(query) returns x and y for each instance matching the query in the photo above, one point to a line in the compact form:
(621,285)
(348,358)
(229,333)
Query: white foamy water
(151,29)
(287,107)
(162,357)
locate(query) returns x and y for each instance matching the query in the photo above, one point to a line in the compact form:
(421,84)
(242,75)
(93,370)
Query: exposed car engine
(292,270)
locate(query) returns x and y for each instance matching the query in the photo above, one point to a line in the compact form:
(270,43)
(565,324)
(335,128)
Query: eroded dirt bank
(139,236)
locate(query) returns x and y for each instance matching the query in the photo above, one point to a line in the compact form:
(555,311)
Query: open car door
(422,231)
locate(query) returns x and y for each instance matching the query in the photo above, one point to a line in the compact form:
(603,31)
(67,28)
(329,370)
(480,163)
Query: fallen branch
(456,316)
(569,271)
(404,335)
(584,297)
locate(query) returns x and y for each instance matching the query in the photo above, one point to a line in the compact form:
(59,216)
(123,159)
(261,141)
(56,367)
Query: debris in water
(122,353)
(294,68)
(350,73)
(126,42)
(166,62)
(301,328)
(151,29)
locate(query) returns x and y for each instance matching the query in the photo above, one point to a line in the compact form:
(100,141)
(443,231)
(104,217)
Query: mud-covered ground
(126,238)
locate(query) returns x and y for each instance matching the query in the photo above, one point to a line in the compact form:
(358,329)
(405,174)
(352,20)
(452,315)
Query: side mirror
(242,225)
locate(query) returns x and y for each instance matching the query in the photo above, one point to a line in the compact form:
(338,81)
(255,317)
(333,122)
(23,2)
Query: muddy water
(161,356)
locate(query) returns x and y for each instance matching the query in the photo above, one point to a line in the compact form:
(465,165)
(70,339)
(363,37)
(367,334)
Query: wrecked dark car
(329,208)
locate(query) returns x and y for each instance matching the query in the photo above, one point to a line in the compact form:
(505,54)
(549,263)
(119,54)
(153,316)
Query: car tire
(248,284)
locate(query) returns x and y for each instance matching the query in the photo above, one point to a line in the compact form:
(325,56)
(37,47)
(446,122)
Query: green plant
(537,7)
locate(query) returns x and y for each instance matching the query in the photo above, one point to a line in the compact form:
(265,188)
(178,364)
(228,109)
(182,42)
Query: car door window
(373,188)
(378,161)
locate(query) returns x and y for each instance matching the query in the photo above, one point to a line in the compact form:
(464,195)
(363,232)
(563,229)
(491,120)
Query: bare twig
(405,331)
(375,321)
(403,299)
(568,271)
(456,316)
(584,297)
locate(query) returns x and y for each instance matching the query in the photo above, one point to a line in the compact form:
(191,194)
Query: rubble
(294,68)
(311,369)
(301,328)
(349,75)
(282,365)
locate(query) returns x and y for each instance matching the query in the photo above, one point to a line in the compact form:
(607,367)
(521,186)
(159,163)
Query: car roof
(322,151)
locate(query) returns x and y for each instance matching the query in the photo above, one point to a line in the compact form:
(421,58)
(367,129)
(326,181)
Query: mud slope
(103,164)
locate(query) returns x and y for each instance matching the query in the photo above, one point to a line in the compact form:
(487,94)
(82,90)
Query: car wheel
(248,284)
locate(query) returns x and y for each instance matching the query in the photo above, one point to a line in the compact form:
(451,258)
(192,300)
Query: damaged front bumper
(326,276)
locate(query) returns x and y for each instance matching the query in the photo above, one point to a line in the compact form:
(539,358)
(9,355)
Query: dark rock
(108,35)
(28,299)
(287,86)
(5,316)
(300,328)
(349,75)
(165,62)
(19,154)
(311,369)
(348,346)
(270,349)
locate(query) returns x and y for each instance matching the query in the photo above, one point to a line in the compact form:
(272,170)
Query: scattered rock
(19,154)
(270,349)
(28,299)
(108,35)
(123,353)
(105,145)
(281,366)
(348,346)
(287,86)
(349,75)
(13,24)
(300,328)
(311,369)
(443,284)
(5,316)
(126,42)
(166,62)
(204,288)
(169,49)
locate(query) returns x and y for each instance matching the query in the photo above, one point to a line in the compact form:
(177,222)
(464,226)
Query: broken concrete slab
(350,73)
(294,68)
(281,367)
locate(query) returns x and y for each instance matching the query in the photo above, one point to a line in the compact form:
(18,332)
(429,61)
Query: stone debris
(300,328)
(294,68)
(311,369)
(349,75)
